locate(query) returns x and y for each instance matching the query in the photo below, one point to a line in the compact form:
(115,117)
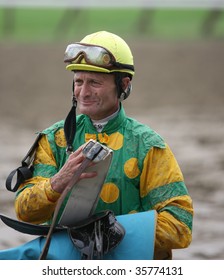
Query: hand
(60,180)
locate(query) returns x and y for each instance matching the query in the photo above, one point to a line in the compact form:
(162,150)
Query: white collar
(99,124)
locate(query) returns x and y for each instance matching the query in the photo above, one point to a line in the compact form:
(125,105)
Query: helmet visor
(93,55)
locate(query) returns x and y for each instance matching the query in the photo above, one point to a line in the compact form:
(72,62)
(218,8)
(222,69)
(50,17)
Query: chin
(87,112)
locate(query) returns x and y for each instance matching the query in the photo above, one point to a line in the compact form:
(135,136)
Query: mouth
(87,102)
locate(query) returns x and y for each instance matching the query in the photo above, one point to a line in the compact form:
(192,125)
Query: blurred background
(178,90)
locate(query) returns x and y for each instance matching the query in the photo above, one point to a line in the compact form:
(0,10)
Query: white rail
(204,4)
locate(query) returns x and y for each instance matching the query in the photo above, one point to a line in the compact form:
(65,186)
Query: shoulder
(54,128)
(145,134)
(60,125)
(55,136)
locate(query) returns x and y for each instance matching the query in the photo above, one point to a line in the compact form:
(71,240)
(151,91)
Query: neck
(99,124)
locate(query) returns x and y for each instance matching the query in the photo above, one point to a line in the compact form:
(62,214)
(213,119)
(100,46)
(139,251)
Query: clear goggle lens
(94,55)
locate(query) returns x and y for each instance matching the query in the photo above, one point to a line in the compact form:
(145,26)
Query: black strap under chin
(70,126)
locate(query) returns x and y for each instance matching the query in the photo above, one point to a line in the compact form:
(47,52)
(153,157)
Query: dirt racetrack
(178,90)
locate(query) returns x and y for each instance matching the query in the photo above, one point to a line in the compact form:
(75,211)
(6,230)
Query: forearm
(36,204)
(171,233)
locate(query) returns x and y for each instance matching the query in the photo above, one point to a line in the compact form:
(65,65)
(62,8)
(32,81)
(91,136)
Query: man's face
(96,94)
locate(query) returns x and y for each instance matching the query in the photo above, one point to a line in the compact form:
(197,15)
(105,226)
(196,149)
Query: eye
(95,83)
(78,82)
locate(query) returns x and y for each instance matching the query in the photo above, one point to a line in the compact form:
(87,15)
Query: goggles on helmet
(93,55)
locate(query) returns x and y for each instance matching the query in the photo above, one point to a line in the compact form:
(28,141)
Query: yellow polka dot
(131,168)
(109,193)
(60,138)
(114,141)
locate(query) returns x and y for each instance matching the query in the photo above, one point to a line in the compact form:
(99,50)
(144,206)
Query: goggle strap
(123,66)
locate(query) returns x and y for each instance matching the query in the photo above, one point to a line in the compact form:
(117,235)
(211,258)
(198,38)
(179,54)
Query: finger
(86,175)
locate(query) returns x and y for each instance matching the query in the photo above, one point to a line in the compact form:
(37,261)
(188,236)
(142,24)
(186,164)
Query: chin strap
(70,126)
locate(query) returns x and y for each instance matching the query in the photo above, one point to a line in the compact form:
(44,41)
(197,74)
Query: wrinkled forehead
(93,75)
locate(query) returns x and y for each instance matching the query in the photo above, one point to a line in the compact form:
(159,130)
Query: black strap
(24,171)
(70,126)
(28,228)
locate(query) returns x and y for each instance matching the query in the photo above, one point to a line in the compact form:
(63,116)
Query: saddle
(97,235)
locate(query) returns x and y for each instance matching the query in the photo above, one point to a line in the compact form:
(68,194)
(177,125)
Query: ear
(127,87)
(125,83)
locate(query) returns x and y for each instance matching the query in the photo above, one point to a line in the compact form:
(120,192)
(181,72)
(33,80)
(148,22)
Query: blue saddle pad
(138,242)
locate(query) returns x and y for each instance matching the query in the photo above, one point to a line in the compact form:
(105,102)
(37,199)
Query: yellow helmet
(100,52)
